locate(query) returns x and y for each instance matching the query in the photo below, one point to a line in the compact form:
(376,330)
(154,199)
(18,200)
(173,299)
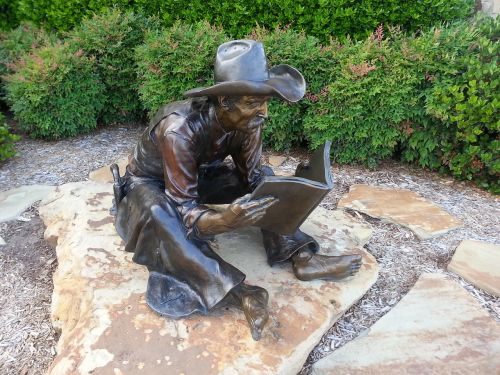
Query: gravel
(68,160)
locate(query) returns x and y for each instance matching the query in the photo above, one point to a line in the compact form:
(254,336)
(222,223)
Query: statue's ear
(224,103)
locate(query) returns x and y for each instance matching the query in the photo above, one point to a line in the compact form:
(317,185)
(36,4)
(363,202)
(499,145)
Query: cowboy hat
(241,69)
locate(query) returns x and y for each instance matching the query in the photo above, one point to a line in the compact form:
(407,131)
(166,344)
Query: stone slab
(400,206)
(15,201)
(276,160)
(103,174)
(107,328)
(437,328)
(479,263)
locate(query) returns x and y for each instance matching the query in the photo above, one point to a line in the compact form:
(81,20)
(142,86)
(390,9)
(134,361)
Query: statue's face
(245,113)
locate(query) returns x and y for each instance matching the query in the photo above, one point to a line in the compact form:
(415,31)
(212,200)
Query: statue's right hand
(242,212)
(245,212)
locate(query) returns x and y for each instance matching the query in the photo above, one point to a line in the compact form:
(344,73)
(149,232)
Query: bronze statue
(179,165)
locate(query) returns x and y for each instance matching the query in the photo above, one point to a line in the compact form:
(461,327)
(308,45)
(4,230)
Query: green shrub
(6,140)
(436,56)
(175,60)
(364,107)
(319,18)
(461,92)
(55,93)
(8,14)
(15,43)
(284,128)
(111,38)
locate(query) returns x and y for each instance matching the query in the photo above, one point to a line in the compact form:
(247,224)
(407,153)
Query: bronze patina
(179,166)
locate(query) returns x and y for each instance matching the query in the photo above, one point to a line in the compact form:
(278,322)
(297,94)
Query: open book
(298,196)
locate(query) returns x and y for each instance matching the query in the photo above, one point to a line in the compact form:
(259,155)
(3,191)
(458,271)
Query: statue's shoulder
(181,108)
(189,109)
(182,119)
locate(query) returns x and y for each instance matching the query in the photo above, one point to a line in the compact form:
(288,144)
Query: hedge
(319,18)
(460,87)
(8,14)
(369,95)
(14,44)
(430,98)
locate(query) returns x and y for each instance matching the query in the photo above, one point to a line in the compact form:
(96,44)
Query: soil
(27,338)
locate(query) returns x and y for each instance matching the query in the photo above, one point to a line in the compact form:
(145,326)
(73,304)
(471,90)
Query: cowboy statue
(179,166)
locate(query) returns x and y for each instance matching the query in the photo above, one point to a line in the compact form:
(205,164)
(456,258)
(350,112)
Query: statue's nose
(263,110)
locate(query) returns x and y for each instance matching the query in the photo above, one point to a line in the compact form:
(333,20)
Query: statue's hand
(241,213)
(244,212)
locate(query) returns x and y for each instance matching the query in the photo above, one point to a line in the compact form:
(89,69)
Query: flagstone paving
(106,327)
(15,201)
(479,263)
(400,206)
(276,160)
(437,328)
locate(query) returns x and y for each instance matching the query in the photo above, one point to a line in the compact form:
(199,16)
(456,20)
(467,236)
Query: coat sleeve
(180,169)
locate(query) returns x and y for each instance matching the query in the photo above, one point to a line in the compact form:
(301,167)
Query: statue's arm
(246,153)
(181,185)
(180,170)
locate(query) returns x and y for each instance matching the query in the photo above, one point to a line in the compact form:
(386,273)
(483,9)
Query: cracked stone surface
(437,328)
(400,206)
(107,328)
(479,263)
(15,201)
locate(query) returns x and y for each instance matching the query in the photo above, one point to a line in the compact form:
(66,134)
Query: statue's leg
(280,248)
(302,249)
(210,276)
(153,230)
(219,183)
(193,261)
(186,275)
(253,301)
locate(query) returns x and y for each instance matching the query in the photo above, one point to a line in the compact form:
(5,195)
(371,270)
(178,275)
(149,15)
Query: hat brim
(285,82)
